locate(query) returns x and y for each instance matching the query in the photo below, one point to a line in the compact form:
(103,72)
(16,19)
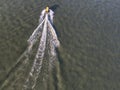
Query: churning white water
(42,29)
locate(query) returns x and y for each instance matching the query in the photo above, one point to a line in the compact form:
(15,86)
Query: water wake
(18,74)
(53,43)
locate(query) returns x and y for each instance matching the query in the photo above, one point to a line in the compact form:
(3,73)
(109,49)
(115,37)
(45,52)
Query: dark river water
(89,33)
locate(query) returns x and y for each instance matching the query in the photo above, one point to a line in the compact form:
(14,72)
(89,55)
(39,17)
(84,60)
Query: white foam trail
(35,35)
(52,55)
(37,65)
(33,75)
(54,36)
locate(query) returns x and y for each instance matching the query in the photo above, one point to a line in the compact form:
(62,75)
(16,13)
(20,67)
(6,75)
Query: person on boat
(49,12)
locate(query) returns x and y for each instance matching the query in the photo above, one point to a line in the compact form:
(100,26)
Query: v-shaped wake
(23,77)
(54,42)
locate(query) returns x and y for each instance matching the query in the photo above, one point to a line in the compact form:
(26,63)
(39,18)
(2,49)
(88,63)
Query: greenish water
(88,30)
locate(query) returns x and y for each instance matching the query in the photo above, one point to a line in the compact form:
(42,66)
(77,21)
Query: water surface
(88,30)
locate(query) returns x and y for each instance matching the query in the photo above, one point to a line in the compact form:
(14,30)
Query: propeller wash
(53,43)
(23,76)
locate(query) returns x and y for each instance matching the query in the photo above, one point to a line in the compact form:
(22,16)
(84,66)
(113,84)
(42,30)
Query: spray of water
(48,42)
(53,43)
